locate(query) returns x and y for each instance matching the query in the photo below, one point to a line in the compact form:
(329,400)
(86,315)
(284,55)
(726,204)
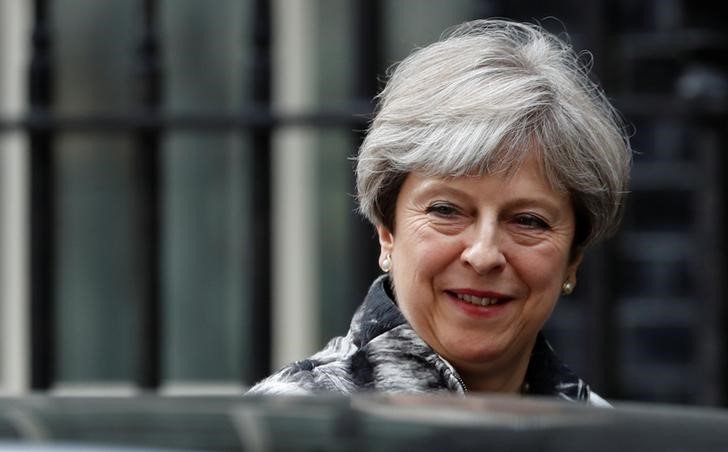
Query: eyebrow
(442,186)
(436,188)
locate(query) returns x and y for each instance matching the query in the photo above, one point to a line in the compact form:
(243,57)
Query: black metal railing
(261,138)
(42,212)
(147,177)
(149,123)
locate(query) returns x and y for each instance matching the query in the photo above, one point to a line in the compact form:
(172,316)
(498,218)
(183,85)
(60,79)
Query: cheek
(541,269)
(429,253)
(419,261)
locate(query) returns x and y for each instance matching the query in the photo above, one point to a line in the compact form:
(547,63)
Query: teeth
(477,300)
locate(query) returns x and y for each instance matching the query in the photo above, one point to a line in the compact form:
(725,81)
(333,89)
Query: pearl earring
(386,264)
(567,288)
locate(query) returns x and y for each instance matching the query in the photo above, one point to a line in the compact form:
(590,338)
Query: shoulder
(301,377)
(343,365)
(329,370)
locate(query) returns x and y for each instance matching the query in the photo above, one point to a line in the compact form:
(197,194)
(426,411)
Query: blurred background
(176,189)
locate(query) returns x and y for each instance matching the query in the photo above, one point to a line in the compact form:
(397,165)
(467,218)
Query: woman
(492,164)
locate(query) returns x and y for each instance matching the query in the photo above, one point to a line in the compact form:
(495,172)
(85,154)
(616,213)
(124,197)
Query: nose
(483,251)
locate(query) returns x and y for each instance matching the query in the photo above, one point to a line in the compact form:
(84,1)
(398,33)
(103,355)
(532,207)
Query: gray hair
(482,99)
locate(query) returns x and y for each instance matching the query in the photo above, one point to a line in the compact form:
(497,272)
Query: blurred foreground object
(358,423)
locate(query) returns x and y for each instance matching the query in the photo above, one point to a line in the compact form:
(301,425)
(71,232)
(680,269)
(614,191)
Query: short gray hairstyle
(482,99)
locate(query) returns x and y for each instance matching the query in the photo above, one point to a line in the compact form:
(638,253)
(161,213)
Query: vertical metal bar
(42,213)
(261,180)
(710,215)
(601,332)
(148,185)
(364,247)
(718,284)
(600,325)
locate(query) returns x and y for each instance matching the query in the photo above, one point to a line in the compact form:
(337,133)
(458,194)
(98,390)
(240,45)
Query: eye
(442,209)
(531,221)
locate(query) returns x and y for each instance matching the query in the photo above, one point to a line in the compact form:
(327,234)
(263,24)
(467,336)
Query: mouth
(483,300)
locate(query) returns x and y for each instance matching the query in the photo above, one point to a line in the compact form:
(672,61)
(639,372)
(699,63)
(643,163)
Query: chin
(477,356)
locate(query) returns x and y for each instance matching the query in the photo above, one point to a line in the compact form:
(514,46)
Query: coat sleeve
(299,378)
(329,370)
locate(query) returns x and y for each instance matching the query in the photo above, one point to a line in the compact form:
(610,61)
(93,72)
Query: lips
(482,301)
(478,298)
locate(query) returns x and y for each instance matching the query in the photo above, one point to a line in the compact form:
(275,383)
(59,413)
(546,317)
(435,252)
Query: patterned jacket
(381,352)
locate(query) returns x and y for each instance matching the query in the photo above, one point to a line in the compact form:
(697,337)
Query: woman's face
(478,263)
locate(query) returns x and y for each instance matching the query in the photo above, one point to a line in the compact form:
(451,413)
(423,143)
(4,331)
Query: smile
(481,301)
(478,298)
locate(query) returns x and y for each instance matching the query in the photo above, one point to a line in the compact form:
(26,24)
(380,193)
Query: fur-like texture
(381,352)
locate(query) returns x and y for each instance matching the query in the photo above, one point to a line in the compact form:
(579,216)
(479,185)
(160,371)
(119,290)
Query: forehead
(527,179)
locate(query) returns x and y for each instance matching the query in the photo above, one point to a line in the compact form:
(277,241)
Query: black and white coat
(381,352)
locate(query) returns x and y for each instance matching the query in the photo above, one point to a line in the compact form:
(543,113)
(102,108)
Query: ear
(386,242)
(572,268)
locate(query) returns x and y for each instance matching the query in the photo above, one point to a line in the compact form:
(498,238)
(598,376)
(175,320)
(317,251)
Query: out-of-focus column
(295,262)
(14,358)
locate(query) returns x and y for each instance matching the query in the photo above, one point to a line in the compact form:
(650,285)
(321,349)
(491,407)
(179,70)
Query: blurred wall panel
(206,259)
(97,271)
(14,30)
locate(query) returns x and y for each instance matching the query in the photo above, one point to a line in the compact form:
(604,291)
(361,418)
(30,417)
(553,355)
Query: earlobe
(570,280)
(386,243)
